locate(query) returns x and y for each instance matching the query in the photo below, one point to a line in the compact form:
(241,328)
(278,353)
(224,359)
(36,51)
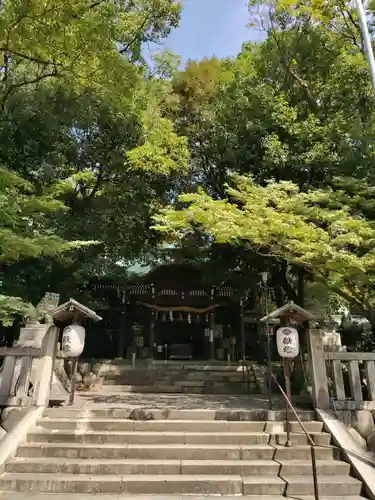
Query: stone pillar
(45,373)
(318,371)
(32,335)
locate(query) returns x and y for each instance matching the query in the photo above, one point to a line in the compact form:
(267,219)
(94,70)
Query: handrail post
(309,439)
(315,472)
(288,393)
(73,382)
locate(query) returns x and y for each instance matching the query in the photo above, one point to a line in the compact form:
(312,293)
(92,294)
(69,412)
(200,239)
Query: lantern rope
(197,310)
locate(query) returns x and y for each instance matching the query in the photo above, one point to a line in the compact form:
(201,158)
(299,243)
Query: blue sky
(211,27)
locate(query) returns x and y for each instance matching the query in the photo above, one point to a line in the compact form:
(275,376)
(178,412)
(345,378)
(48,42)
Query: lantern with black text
(73,340)
(287,342)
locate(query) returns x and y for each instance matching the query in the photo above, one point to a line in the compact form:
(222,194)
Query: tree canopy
(282,144)
(266,159)
(87,154)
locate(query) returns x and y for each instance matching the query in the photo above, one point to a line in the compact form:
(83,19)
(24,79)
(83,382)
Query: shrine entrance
(173,314)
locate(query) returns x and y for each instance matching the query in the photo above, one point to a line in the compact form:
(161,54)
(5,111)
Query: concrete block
(370,444)
(363,423)
(11,416)
(358,438)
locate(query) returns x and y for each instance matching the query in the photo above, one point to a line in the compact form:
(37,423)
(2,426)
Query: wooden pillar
(211,336)
(242,333)
(256,306)
(152,335)
(318,371)
(122,332)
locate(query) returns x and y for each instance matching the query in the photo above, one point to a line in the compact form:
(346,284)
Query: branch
(16,86)
(287,66)
(134,39)
(29,58)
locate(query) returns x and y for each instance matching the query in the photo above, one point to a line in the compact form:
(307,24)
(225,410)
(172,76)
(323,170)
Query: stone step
(170,369)
(146,437)
(133,484)
(294,426)
(220,388)
(217,414)
(328,485)
(303,452)
(127,425)
(177,484)
(136,437)
(150,425)
(177,377)
(322,497)
(170,467)
(304,467)
(147,452)
(84,496)
(175,452)
(319,438)
(149,467)
(261,485)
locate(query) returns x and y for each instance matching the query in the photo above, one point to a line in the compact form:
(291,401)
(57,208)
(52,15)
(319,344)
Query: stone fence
(16,388)
(341,380)
(351,380)
(27,371)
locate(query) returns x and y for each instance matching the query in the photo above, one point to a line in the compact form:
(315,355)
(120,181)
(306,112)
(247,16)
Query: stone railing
(16,388)
(340,380)
(26,373)
(350,380)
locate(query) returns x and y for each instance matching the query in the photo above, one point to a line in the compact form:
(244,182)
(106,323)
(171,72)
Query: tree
(296,108)
(25,232)
(92,44)
(313,230)
(81,128)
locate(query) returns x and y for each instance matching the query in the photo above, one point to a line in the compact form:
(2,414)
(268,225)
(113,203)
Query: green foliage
(23,232)
(12,308)
(87,153)
(163,151)
(292,117)
(91,44)
(313,230)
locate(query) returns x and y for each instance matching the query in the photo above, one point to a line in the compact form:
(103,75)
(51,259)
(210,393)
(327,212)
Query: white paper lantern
(73,340)
(287,342)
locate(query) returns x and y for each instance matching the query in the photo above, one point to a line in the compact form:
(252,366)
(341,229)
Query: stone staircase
(175,378)
(120,451)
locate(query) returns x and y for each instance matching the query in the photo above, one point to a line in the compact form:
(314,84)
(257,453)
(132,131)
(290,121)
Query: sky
(211,27)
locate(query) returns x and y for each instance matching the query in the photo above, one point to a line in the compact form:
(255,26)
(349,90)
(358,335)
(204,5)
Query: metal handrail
(309,438)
